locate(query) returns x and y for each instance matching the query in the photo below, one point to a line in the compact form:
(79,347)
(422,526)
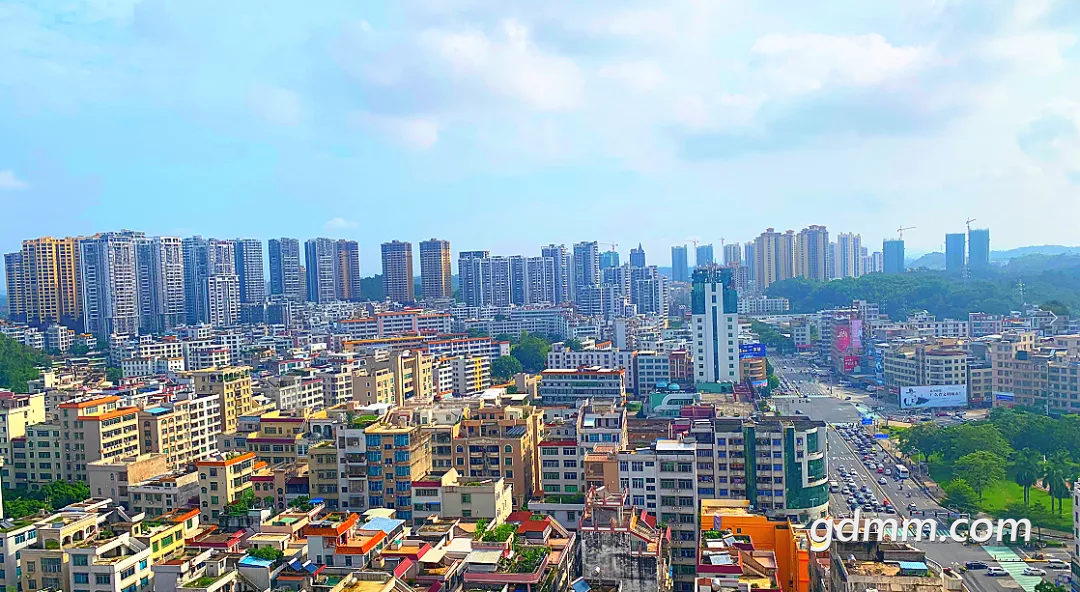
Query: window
(82,578)
(142,564)
(466,498)
(127,573)
(79,560)
(102,579)
(508,449)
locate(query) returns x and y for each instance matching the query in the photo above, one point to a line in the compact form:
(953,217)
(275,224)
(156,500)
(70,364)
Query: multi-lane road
(839,405)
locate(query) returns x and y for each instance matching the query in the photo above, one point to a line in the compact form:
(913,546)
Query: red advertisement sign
(843,339)
(850,362)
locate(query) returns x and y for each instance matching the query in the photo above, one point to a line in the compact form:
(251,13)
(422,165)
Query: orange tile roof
(89,403)
(110,414)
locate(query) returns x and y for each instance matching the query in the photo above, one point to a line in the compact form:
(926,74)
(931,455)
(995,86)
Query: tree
(79,349)
(980,470)
(19,364)
(266,553)
(1057,473)
(504,368)
(532,352)
(114,375)
(960,496)
(972,437)
(62,493)
(574,344)
(1047,586)
(1027,468)
(1057,307)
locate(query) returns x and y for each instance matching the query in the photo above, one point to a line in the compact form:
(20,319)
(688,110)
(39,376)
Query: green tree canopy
(531,351)
(960,496)
(504,368)
(19,364)
(266,553)
(980,469)
(1027,469)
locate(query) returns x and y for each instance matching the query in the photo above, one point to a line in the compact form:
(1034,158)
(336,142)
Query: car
(847,398)
(868,508)
(888,472)
(864,488)
(912,507)
(927,528)
(882,481)
(1056,564)
(1034,571)
(881,470)
(996,572)
(853,506)
(890,510)
(975,565)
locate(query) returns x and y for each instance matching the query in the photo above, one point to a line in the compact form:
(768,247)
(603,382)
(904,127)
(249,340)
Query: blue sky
(507,124)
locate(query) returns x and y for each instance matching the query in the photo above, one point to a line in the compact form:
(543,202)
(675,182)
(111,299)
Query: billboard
(843,339)
(856,334)
(1004,396)
(850,363)
(923,397)
(751,350)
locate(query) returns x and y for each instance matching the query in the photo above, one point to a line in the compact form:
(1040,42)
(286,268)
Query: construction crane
(614,246)
(969,221)
(695,241)
(901,230)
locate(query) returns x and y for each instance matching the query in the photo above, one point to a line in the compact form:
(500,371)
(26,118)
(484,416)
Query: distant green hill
(18,364)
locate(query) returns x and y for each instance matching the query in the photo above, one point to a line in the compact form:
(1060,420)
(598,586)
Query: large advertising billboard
(856,335)
(850,364)
(925,397)
(751,350)
(843,339)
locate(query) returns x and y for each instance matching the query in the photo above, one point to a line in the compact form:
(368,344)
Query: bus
(902,472)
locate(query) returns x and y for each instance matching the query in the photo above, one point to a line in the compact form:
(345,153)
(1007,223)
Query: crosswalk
(940,533)
(1014,565)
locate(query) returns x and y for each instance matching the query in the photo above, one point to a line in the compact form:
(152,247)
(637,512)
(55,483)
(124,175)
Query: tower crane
(969,221)
(614,246)
(901,230)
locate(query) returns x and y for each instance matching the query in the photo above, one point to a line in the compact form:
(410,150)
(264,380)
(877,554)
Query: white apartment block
(716,328)
(603,355)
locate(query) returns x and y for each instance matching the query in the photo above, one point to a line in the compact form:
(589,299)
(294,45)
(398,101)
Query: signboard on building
(1004,396)
(924,397)
(850,364)
(856,334)
(843,339)
(760,383)
(751,350)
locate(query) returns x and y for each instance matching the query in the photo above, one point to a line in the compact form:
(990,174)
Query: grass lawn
(996,497)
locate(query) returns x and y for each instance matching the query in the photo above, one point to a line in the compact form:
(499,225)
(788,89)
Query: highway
(842,406)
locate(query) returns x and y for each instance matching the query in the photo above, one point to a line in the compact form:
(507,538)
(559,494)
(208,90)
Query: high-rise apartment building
(435,269)
(159,263)
(320,256)
(979,248)
(96,428)
(347,270)
(561,260)
(680,268)
(109,284)
(749,257)
(892,259)
(848,255)
(249,270)
(774,257)
(397,456)
(211,286)
(715,309)
(586,268)
(733,254)
(397,266)
(470,277)
(286,277)
(637,256)
(532,280)
(609,259)
(811,253)
(13,277)
(704,255)
(955,247)
(44,278)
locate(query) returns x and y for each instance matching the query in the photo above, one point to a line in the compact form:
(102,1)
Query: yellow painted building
(96,428)
(232,386)
(50,281)
(223,479)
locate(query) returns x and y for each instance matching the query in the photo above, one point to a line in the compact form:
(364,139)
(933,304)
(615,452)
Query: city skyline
(620,129)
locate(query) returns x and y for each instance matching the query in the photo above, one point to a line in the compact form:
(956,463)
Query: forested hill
(945,295)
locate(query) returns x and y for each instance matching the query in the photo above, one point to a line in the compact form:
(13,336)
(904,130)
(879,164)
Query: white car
(1056,564)
(882,481)
(996,572)
(1034,571)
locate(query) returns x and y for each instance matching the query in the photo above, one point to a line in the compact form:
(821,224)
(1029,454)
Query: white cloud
(339,223)
(1038,52)
(277,105)
(810,61)
(9,182)
(418,133)
(508,63)
(642,75)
